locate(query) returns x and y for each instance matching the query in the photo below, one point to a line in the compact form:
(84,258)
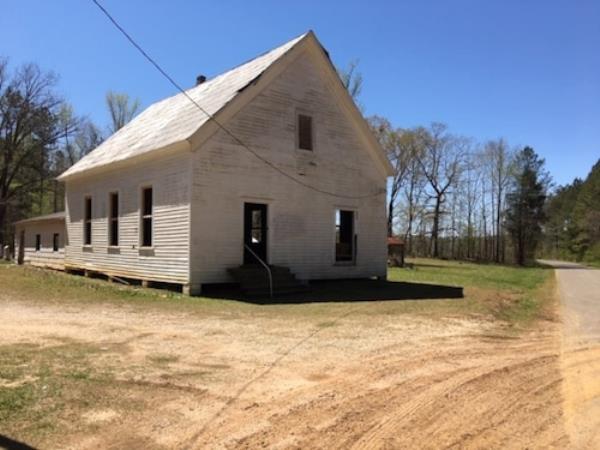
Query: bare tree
(498,159)
(414,201)
(69,125)
(471,192)
(28,132)
(441,164)
(78,137)
(352,80)
(88,137)
(401,147)
(121,108)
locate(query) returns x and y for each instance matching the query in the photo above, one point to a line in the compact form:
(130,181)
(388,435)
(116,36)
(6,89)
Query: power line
(211,117)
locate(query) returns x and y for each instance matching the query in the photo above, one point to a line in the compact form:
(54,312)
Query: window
(55,238)
(257,226)
(305,132)
(38,242)
(113,219)
(87,222)
(344,235)
(147,217)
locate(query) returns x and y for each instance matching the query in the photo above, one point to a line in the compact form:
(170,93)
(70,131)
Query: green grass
(457,273)
(517,295)
(53,287)
(513,294)
(43,389)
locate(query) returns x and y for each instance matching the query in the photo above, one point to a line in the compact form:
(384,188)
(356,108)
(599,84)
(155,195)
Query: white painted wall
(301,221)
(46,256)
(169,257)
(199,196)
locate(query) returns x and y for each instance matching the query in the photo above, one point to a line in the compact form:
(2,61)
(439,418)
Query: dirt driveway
(355,379)
(580,300)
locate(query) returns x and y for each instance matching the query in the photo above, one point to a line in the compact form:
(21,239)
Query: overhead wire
(216,121)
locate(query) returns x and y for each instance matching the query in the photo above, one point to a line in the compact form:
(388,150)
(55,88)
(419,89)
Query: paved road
(579,289)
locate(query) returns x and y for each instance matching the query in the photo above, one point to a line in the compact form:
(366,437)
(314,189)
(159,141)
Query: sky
(528,71)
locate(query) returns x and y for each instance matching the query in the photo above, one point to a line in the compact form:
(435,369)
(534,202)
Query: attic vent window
(305,132)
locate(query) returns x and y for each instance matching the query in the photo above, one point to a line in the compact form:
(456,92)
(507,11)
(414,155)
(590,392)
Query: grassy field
(517,295)
(46,386)
(510,293)
(595,264)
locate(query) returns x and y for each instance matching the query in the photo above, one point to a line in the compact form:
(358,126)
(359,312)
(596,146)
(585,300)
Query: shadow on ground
(11,444)
(346,291)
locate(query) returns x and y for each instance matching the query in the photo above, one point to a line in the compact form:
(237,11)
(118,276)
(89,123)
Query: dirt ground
(353,380)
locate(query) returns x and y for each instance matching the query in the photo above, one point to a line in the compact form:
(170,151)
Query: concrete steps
(254,280)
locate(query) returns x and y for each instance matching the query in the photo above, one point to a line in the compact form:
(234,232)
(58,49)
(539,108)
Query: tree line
(572,231)
(40,137)
(452,197)
(449,197)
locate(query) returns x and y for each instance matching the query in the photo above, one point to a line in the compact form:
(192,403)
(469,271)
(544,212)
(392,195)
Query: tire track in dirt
(402,382)
(430,413)
(501,395)
(581,389)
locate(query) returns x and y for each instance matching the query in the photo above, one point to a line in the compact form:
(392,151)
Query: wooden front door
(255,232)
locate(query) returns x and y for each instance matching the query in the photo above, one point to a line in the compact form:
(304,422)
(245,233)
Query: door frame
(355,230)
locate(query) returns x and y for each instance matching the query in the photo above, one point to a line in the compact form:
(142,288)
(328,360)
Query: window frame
(55,242)
(143,216)
(111,219)
(87,239)
(38,242)
(302,113)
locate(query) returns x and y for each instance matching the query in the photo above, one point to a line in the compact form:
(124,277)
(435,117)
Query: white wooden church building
(175,197)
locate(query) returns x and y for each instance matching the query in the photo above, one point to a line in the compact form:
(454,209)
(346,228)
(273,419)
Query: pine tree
(525,204)
(586,218)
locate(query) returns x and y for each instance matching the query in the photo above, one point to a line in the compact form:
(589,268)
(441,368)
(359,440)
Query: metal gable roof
(175,119)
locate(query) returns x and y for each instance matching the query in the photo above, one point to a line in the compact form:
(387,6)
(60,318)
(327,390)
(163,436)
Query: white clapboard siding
(45,256)
(168,260)
(301,222)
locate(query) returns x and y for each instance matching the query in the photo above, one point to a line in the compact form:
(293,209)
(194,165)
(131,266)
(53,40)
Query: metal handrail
(266,266)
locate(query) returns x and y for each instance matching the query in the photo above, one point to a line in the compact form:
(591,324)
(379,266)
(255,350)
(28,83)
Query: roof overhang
(55,217)
(171,149)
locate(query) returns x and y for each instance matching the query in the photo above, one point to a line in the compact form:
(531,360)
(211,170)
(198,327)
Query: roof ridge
(238,66)
(265,53)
